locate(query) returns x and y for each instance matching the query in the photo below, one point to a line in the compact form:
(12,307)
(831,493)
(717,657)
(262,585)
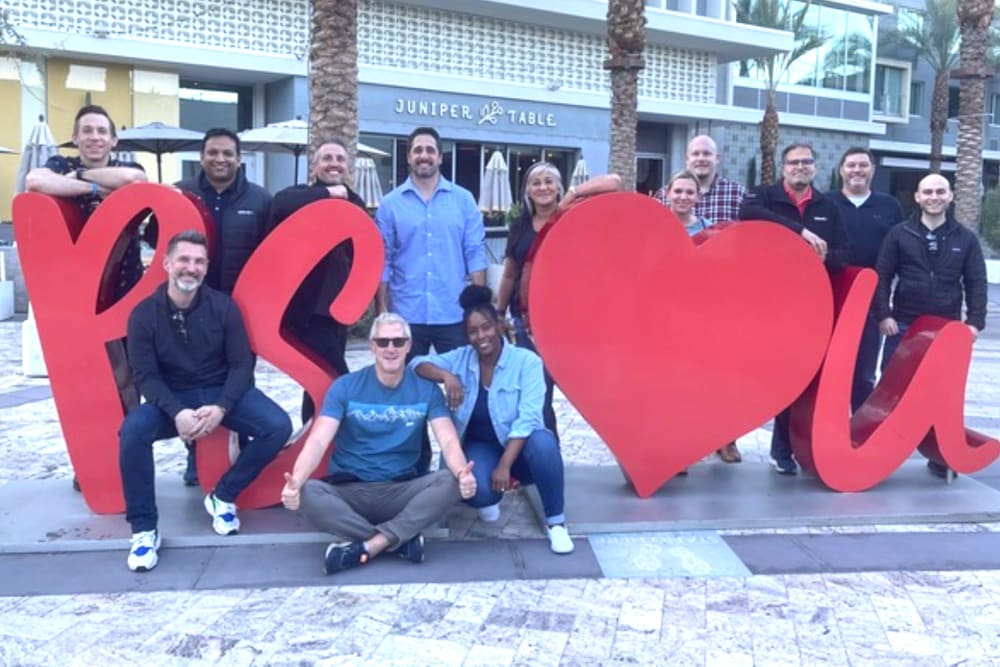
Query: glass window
(383,165)
(917,98)
(953,102)
(889,90)
(909,18)
(858,53)
(518,160)
(207,105)
(995,109)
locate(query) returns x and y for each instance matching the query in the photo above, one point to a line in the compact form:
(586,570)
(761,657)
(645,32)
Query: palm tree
(974,22)
(626,41)
(934,40)
(333,74)
(777,15)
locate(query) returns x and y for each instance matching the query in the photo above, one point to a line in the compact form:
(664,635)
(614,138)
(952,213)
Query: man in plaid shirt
(719,200)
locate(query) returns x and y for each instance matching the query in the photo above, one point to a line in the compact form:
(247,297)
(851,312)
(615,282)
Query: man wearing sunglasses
(191,359)
(939,264)
(374,496)
(795,204)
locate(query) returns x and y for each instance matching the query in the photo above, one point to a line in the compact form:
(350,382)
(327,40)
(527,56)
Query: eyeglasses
(178,319)
(801,162)
(396,342)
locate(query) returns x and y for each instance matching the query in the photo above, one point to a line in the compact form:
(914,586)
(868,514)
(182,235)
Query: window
(995,109)
(916,98)
(907,19)
(892,90)
(952,101)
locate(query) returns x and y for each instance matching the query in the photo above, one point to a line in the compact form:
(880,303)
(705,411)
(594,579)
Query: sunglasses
(396,342)
(178,319)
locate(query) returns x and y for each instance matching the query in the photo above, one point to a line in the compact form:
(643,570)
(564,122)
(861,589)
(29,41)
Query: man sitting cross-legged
(374,497)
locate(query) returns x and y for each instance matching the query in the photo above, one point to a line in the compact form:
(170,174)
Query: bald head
(702,159)
(933,196)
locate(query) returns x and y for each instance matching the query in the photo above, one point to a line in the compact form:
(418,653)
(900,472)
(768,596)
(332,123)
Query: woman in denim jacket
(495,391)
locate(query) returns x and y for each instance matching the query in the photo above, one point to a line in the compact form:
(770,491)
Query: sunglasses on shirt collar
(396,342)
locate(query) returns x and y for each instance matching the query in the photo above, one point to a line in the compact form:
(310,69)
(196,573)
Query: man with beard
(191,359)
(434,242)
(308,315)
(868,216)
(793,203)
(241,212)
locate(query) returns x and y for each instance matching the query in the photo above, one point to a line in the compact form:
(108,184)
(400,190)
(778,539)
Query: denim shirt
(515,397)
(430,248)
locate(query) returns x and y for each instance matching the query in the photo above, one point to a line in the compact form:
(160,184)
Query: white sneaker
(224,519)
(142,555)
(559,540)
(490,513)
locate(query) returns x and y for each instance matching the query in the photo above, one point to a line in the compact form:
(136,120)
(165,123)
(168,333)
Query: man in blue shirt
(434,241)
(868,216)
(375,496)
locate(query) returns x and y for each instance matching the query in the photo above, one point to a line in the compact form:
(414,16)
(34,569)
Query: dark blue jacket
(931,284)
(245,223)
(821,217)
(867,224)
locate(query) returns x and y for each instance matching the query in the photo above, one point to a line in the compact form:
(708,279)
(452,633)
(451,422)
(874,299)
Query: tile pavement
(868,618)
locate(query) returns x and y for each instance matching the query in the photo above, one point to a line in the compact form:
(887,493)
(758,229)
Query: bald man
(719,200)
(939,264)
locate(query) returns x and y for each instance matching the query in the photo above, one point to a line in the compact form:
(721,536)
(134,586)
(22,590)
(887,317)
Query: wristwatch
(79,174)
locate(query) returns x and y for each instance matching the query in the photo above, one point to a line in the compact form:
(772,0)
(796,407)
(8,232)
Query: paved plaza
(912,586)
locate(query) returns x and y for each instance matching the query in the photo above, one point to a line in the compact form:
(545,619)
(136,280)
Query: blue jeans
(539,463)
(548,413)
(864,367)
(891,343)
(254,414)
(444,338)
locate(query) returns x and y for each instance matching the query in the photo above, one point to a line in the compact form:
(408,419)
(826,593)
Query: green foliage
(780,15)
(934,38)
(991,219)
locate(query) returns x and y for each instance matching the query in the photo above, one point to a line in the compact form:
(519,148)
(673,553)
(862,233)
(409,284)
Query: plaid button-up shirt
(719,204)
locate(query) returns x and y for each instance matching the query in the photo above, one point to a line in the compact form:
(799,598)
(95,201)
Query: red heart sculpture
(671,349)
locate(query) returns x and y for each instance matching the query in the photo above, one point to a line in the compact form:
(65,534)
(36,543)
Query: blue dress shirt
(430,248)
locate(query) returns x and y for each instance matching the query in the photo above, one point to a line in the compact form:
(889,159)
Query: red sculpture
(69,270)
(671,347)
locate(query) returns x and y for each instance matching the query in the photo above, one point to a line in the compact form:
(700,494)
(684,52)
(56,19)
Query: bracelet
(93,189)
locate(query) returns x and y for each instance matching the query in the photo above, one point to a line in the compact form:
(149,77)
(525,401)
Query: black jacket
(821,217)
(212,349)
(245,223)
(328,277)
(931,285)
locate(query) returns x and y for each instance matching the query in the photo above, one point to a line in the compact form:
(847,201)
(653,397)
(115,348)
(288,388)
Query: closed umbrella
(40,147)
(368,186)
(290,136)
(580,174)
(494,191)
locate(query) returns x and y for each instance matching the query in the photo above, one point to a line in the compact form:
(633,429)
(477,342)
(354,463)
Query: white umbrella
(158,138)
(40,147)
(291,136)
(366,178)
(580,174)
(494,190)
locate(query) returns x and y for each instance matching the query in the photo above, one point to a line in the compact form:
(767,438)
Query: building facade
(524,79)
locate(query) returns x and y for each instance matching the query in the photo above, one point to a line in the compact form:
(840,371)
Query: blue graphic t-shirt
(381,428)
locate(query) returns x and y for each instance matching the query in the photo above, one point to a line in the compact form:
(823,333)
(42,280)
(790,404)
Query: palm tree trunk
(769,141)
(333,74)
(974,18)
(939,119)
(626,41)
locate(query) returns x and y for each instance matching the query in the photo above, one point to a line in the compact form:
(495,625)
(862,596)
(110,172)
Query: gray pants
(399,510)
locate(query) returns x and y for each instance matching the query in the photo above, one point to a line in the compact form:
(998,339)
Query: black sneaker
(785,466)
(191,472)
(940,470)
(412,550)
(345,555)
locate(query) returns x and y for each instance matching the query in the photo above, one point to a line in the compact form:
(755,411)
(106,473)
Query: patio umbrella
(158,138)
(290,136)
(40,147)
(366,178)
(494,190)
(580,174)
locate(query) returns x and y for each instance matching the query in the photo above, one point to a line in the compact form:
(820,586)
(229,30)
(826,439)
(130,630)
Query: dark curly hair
(477,299)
